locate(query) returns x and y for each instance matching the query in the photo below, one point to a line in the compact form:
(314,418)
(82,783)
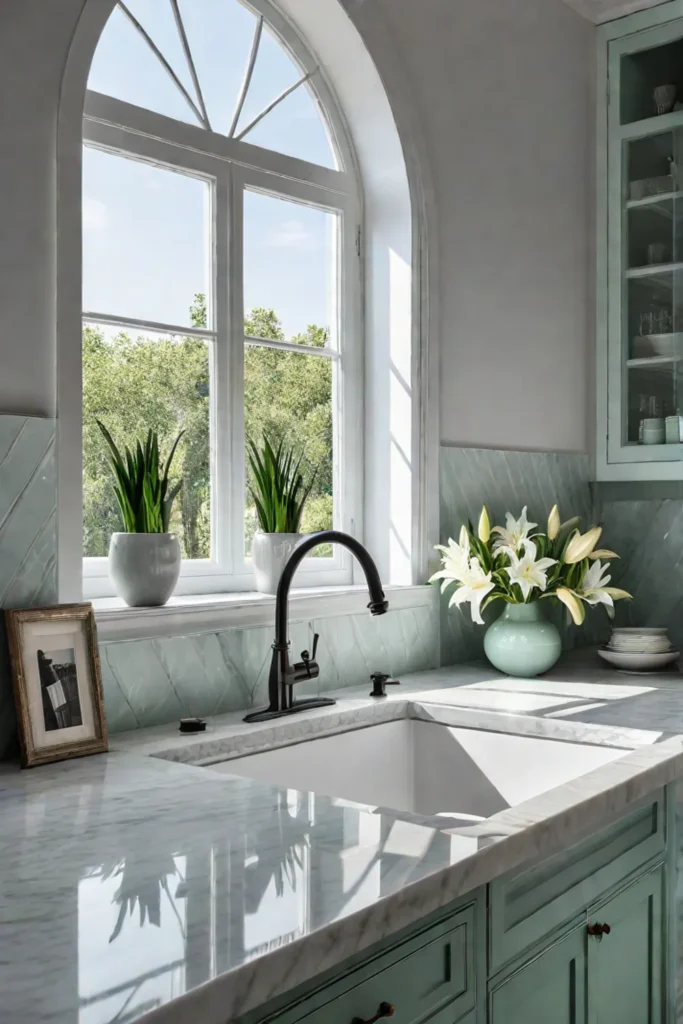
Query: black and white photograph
(57,683)
(59,689)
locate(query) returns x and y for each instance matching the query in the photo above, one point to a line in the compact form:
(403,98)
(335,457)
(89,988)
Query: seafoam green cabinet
(607,970)
(551,987)
(624,968)
(438,974)
(640,246)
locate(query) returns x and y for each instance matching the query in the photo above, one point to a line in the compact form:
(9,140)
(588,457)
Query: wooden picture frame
(57,683)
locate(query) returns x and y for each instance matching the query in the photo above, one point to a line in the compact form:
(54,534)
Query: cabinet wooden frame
(615,459)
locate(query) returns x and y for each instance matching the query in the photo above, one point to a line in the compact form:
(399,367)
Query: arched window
(221,275)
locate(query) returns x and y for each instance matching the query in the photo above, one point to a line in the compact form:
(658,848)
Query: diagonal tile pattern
(28,537)
(151,682)
(648,534)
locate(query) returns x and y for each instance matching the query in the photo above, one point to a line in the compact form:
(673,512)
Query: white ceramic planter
(269,554)
(144,567)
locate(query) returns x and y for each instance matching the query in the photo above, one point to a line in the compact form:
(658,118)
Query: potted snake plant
(144,559)
(279,492)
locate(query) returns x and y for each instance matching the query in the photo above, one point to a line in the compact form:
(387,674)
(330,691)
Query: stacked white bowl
(639,649)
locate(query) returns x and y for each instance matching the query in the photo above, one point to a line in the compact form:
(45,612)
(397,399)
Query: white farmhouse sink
(425,768)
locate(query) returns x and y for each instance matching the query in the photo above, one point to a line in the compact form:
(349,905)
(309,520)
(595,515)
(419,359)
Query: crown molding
(599,11)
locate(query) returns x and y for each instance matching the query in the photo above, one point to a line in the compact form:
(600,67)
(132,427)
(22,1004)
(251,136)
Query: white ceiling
(605,10)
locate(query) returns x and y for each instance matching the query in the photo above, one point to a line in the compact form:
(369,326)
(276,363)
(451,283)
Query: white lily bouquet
(515,565)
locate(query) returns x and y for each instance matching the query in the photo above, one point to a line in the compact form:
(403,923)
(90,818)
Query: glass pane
(220,34)
(126,68)
(158,21)
(146,239)
(651,82)
(133,381)
(290,270)
(274,71)
(295,127)
(289,395)
(654,278)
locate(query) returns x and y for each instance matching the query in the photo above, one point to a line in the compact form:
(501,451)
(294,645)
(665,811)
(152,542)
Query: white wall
(34,38)
(505,91)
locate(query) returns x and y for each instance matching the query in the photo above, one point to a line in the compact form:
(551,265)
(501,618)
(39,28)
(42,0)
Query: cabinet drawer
(420,978)
(525,907)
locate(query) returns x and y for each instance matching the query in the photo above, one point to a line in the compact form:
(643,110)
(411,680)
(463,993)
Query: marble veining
(135,888)
(648,534)
(28,534)
(153,682)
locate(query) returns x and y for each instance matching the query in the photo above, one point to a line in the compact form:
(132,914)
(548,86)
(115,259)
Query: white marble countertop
(136,888)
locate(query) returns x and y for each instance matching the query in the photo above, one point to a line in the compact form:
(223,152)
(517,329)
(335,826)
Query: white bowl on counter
(632,661)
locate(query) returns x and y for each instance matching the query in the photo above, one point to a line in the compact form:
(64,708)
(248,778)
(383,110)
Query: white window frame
(232,165)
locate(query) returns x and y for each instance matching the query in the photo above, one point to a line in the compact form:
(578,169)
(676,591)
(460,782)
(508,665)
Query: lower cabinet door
(548,990)
(625,966)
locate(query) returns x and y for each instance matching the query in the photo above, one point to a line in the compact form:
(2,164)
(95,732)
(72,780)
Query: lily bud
(602,553)
(575,606)
(554,523)
(484,531)
(581,545)
(464,537)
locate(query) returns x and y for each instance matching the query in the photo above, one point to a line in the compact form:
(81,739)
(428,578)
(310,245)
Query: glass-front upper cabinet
(640,284)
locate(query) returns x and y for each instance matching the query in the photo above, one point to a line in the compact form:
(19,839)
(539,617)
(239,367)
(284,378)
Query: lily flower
(573,603)
(581,545)
(554,523)
(514,532)
(594,589)
(484,531)
(455,559)
(526,572)
(476,584)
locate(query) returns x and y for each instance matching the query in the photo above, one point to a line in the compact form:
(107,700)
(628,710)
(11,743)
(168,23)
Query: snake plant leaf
(139,486)
(277,488)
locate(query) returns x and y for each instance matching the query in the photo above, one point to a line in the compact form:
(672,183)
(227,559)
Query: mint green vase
(522,642)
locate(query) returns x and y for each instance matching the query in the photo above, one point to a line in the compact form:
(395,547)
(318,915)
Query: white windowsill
(208,613)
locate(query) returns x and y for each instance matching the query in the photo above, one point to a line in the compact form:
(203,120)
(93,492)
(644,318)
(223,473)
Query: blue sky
(146,240)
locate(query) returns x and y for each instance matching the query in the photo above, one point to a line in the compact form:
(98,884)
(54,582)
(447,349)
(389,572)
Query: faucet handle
(305,656)
(307,668)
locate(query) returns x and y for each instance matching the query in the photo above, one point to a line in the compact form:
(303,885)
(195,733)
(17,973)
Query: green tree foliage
(134,383)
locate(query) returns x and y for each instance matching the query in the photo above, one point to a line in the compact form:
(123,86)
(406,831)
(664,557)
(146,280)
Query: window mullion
(349,375)
(236,359)
(221,462)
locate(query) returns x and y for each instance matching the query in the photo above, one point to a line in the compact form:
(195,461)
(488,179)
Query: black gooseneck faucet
(283,675)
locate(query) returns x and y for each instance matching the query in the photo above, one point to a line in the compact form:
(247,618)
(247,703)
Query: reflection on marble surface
(28,537)
(163,877)
(507,481)
(127,880)
(151,682)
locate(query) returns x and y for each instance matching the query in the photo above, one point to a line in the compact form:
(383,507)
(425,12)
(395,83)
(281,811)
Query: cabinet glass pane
(651,82)
(653,289)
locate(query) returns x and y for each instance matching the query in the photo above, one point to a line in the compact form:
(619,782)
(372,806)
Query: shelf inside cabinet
(657,123)
(656,200)
(654,269)
(653,362)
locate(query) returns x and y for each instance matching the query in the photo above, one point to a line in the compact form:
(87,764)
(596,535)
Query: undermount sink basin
(425,768)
